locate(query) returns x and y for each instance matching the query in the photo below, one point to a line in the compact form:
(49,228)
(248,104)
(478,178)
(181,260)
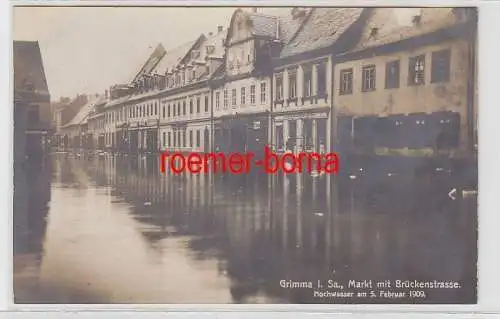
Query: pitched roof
(146,67)
(172,57)
(28,67)
(394,24)
(321,28)
(262,24)
(83,113)
(217,41)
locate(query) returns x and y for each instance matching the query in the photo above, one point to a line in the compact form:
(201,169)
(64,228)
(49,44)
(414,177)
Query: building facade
(351,80)
(302,95)
(242,87)
(406,87)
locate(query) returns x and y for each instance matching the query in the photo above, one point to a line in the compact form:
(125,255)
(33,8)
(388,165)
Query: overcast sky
(87,49)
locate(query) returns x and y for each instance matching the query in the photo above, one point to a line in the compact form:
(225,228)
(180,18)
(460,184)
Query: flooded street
(112,229)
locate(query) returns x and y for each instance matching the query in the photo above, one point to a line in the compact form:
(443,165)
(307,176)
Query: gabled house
(242,88)
(145,108)
(407,87)
(186,103)
(302,75)
(32,116)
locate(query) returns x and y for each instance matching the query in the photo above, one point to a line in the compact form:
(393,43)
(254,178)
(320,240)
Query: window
(368,83)
(263,92)
(346,81)
(307,81)
(416,72)
(190,138)
(206,103)
(190,106)
(175,139)
(164,139)
(178,108)
(292,84)
(163,112)
(183,107)
(210,49)
(392,75)
(198,105)
(184,139)
(217,100)
(168,140)
(156,108)
(173,109)
(233,97)
(440,70)
(198,138)
(279,87)
(252,94)
(321,78)
(243,96)
(226,99)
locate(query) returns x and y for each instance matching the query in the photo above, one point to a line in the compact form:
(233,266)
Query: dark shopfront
(307,132)
(122,138)
(241,134)
(145,137)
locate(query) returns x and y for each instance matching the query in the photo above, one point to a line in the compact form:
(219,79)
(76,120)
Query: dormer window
(210,49)
(374,32)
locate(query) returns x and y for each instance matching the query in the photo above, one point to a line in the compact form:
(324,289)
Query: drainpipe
(471,85)
(271,107)
(333,110)
(212,138)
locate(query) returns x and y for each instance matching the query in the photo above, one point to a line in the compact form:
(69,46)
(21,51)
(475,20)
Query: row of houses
(302,79)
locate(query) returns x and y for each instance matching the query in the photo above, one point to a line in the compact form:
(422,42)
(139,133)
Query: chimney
(219,29)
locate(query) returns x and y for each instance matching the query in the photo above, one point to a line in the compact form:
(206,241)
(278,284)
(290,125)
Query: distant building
(56,111)
(96,124)
(32,117)
(76,131)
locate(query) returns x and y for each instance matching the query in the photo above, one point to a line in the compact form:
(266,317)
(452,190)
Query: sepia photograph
(244,155)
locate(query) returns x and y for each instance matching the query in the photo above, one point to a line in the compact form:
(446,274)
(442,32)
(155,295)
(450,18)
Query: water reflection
(119,231)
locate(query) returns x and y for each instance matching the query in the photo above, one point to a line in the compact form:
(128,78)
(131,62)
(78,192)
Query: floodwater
(112,229)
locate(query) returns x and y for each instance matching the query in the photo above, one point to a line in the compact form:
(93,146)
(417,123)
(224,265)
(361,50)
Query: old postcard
(221,155)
